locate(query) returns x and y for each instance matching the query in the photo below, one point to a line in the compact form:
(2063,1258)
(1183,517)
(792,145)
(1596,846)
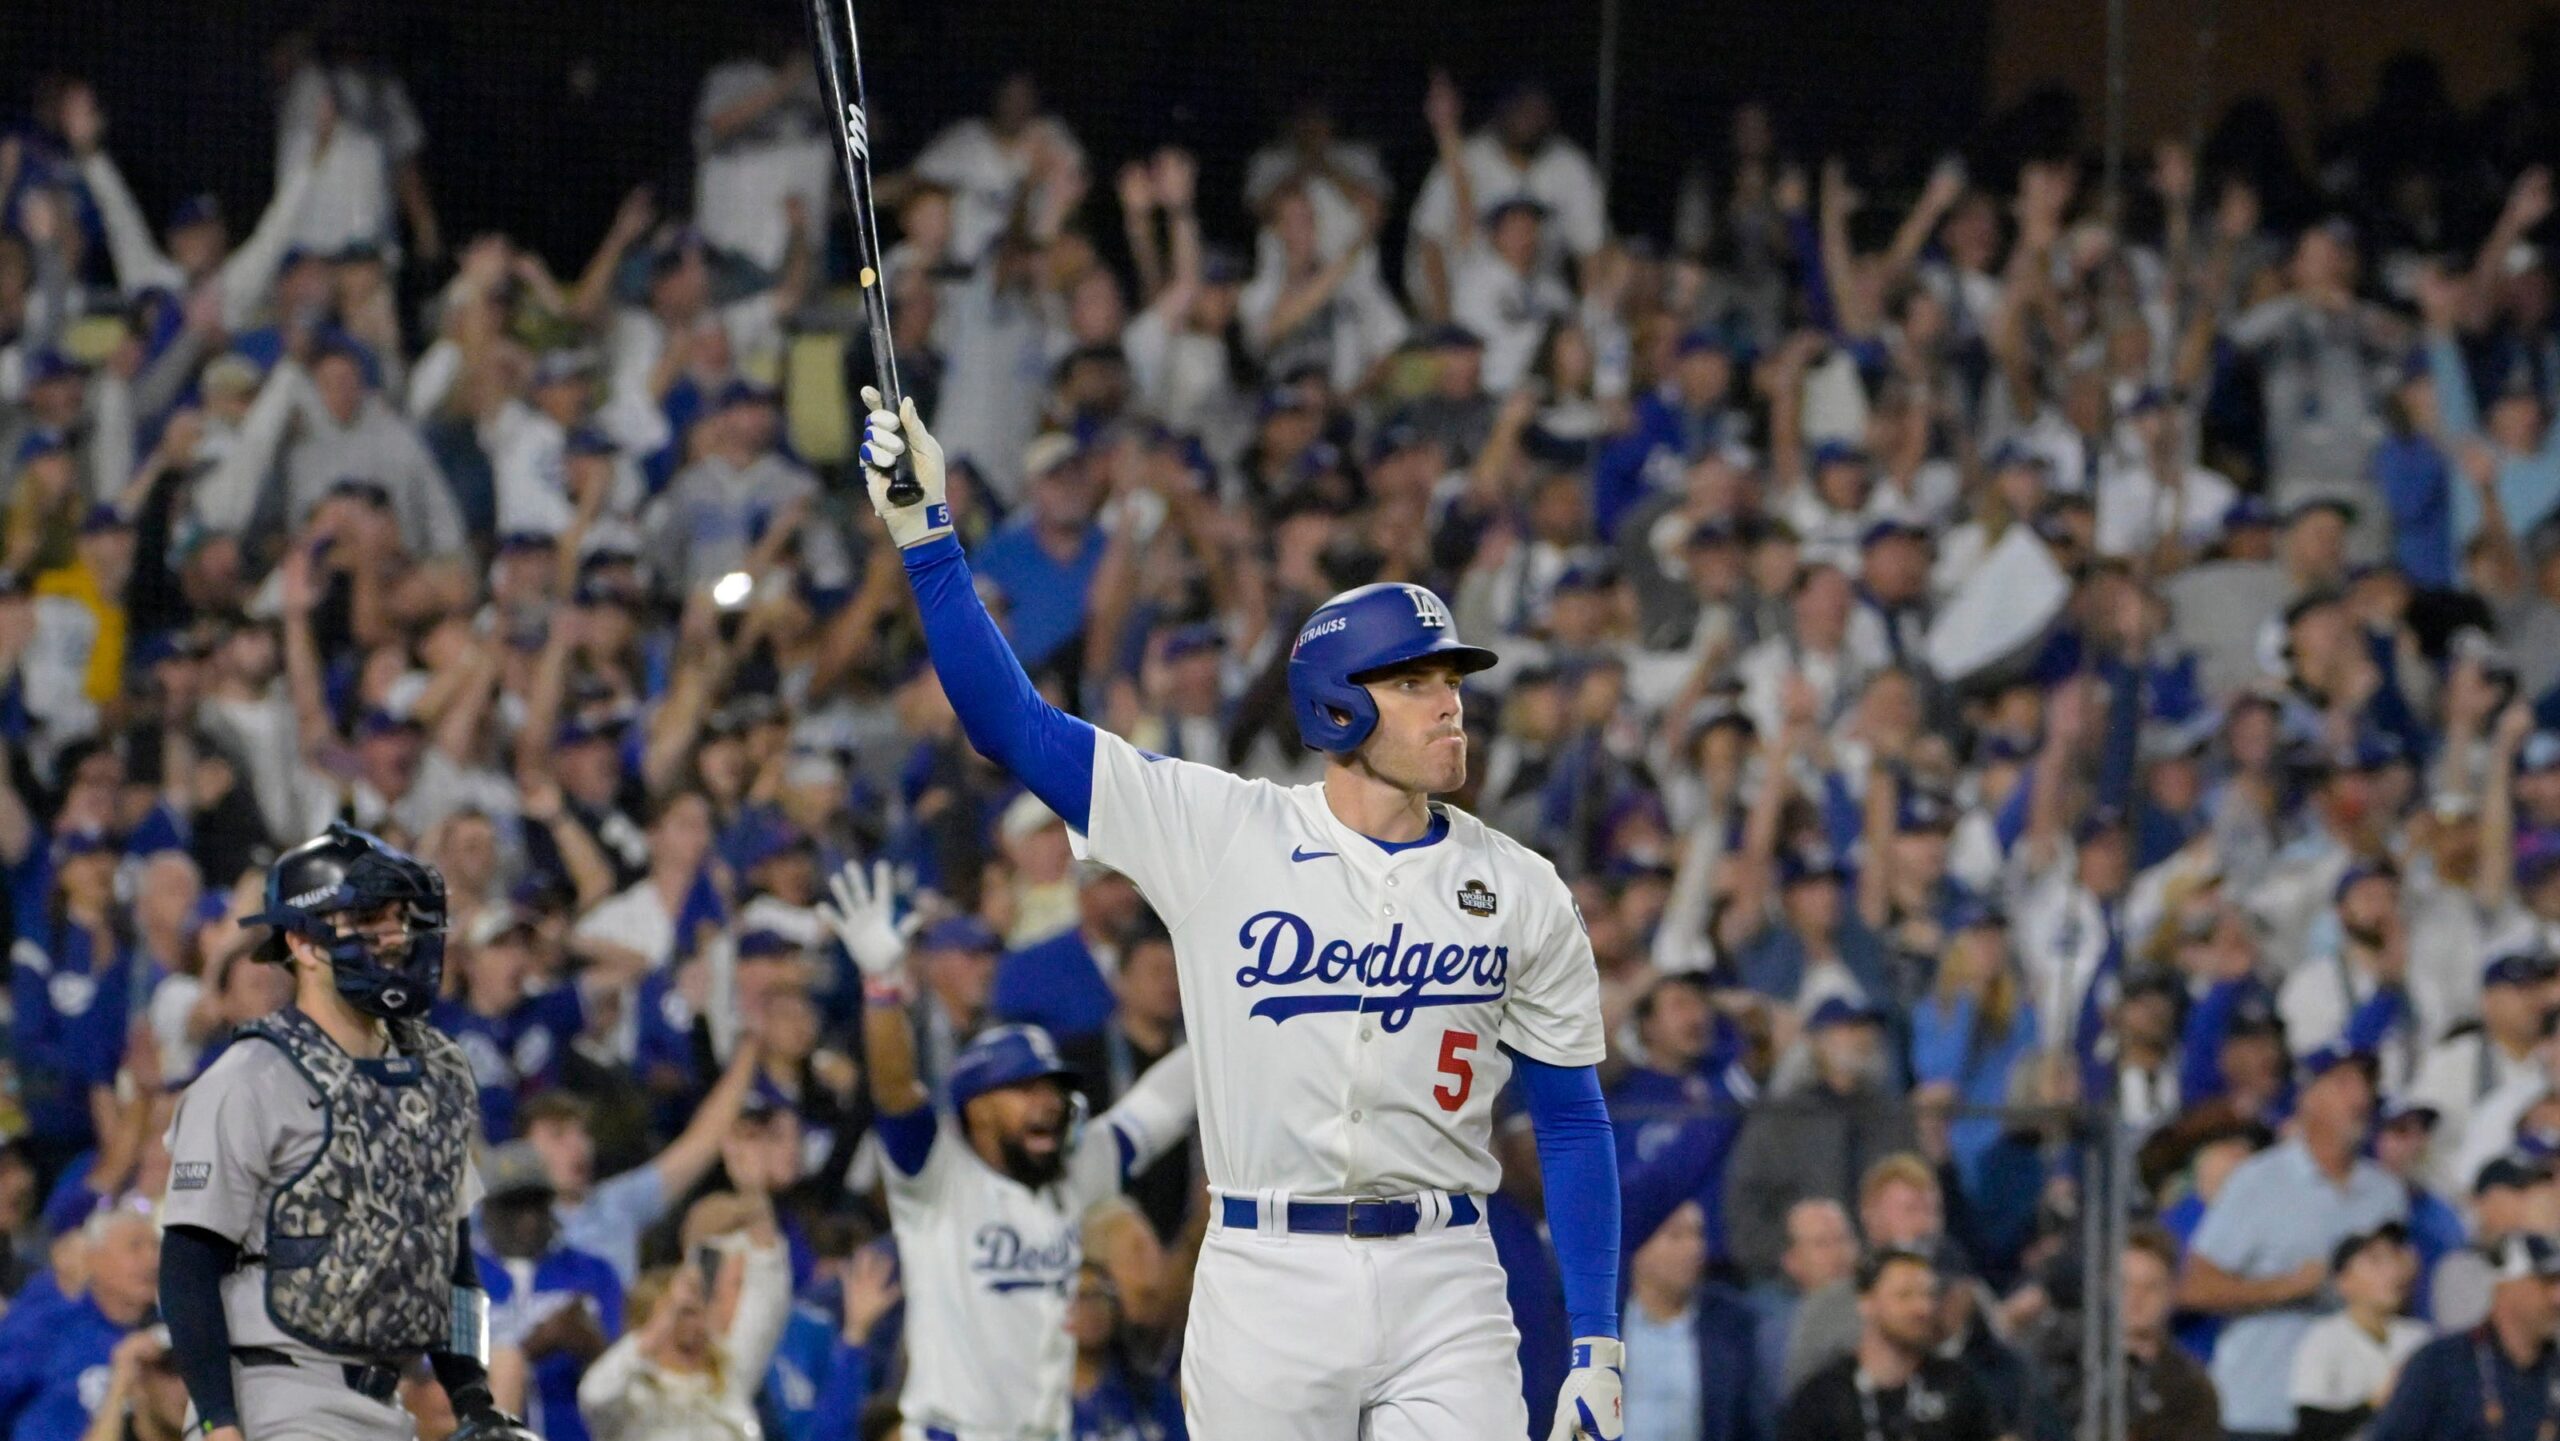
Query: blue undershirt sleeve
(1005,718)
(1578,1160)
(908,1138)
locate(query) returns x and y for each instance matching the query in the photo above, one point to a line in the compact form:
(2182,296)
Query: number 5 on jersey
(1455,1046)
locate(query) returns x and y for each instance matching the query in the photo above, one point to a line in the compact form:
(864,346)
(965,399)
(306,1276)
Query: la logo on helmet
(1427,609)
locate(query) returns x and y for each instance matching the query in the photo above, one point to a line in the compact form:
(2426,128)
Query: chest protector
(360,1242)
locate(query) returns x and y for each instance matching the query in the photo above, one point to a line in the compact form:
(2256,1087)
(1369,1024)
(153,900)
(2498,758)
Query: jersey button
(1366,1033)
(1391,881)
(1355,1118)
(1391,910)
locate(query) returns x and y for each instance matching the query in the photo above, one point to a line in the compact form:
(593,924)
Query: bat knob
(905,490)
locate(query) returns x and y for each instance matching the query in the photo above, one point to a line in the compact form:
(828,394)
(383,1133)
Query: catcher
(320,1185)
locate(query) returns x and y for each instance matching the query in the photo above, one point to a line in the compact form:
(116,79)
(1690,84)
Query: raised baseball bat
(840,70)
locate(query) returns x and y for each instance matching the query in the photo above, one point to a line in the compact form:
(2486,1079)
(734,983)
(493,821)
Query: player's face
(2144,1289)
(1420,744)
(1029,1123)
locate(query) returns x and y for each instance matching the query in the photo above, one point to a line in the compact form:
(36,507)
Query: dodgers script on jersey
(989,1264)
(1347,1005)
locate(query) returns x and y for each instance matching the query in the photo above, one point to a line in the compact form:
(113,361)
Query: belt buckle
(1379,1225)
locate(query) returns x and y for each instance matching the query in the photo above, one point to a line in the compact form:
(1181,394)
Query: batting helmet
(1357,634)
(345,871)
(1006,1056)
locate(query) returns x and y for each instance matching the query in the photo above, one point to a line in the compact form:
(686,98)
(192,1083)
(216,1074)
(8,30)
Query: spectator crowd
(2011,672)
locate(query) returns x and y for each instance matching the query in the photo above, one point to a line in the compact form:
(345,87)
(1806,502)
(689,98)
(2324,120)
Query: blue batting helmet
(1005,1056)
(1359,633)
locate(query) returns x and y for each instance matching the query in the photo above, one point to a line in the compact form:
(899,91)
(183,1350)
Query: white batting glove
(885,438)
(1592,1405)
(864,919)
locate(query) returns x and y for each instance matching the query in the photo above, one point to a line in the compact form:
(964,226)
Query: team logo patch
(1475,900)
(191,1176)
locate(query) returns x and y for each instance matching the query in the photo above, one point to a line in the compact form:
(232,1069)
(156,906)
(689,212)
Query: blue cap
(1891,528)
(1841,1011)
(1810,863)
(746,392)
(2103,821)
(2255,1014)
(1703,339)
(2395,1109)
(522,540)
(2249,513)
(1190,640)
(371,492)
(73,843)
(760,943)
(578,730)
(1450,335)
(2361,872)
(1585,576)
(2537,856)
(768,840)
(99,519)
(564,363)
(2000,746)
(591,440)
(959,933)
(2010,453)
(1005,1056)
(1838,452)
(2149,397)
(1221,266)
(1974,911)
(1509,205)
(1396,437)
(2519,968)
(36,444)
(378,721)
(195,210)
(2320,1062)
(51,364)
(1715,530)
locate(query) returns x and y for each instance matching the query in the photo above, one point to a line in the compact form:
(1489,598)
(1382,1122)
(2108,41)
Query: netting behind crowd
(2048,702)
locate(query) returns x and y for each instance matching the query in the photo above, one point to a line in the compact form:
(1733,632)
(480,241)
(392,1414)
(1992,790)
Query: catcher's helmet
(347,871)
(1357,634)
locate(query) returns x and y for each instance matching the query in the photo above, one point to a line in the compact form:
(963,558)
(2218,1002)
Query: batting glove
(887,437)
(864,919)
(1592,1404)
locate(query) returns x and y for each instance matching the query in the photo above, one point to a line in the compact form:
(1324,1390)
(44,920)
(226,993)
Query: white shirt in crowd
(739,184)
(2339,1365)
(1559,177)
(351,200)
(627,1397)
(985,174)
(1508,311)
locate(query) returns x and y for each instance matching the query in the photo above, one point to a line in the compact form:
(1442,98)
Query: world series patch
(191,1176)
(1475,900)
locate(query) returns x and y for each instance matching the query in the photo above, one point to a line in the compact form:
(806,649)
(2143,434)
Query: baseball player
(320,1186)
(1362,971)
(989,1203)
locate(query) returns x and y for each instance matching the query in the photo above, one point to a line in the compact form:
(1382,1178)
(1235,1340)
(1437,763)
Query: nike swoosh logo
(1301,853)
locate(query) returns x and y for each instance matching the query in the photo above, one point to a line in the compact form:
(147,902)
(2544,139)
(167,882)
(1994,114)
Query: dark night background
(540,113)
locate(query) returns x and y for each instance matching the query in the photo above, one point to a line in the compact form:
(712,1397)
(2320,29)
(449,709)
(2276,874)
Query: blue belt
(1360,1220)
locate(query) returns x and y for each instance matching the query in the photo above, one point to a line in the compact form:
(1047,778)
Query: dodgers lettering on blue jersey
(1006,1262)
(1402,978)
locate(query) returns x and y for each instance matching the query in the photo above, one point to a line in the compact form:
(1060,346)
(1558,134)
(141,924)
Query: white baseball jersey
(988,1264)
(1348,1004)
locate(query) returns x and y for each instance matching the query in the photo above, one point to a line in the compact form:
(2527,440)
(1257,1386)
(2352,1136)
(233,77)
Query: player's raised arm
(1008,721)
(863,918)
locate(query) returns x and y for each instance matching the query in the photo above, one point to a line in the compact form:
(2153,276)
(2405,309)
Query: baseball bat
(840,70)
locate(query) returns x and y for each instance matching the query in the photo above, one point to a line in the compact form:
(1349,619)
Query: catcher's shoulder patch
(1476,900)
(191,1176)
